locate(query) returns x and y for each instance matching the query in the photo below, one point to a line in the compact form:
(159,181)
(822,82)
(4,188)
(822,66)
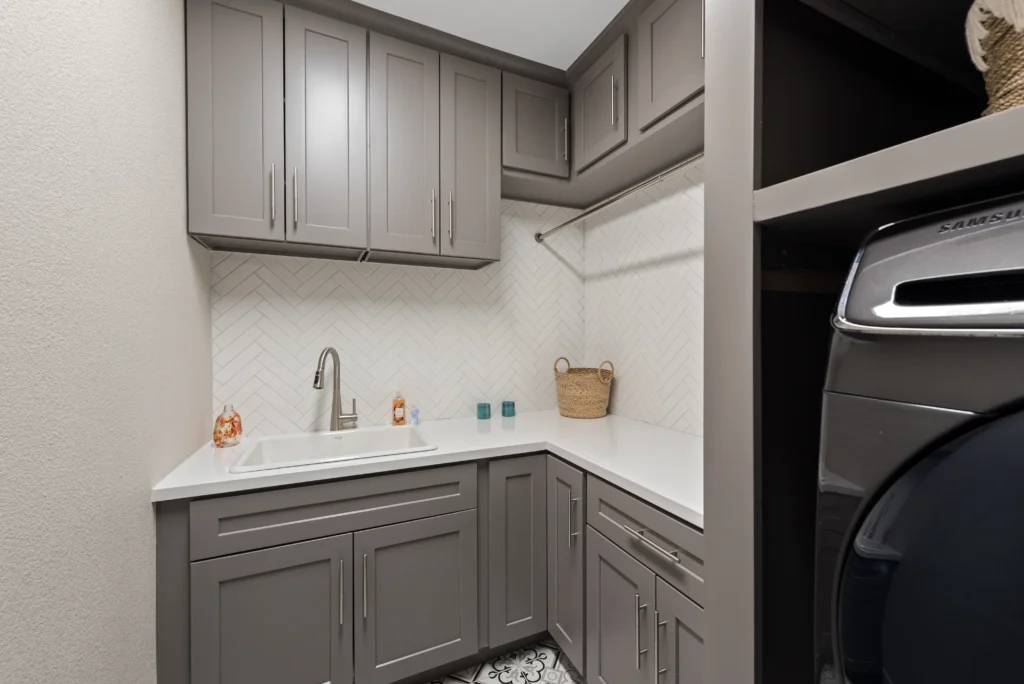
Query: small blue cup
(508,409)
(483,411)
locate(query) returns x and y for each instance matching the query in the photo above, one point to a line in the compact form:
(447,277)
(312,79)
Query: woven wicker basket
(583,392)
(1004,53)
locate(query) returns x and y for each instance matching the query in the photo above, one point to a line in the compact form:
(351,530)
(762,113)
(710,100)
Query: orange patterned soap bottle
(398,410)
(227,429)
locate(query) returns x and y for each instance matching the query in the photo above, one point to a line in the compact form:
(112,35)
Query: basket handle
(567,364)
(599,374)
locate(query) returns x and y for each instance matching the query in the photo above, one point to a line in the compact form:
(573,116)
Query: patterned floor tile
(468,675)
(528,665)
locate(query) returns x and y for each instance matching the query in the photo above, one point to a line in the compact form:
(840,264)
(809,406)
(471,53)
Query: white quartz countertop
(661,466)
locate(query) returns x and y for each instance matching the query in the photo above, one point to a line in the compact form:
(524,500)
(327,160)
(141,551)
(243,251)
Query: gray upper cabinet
(517,558)
(404,146)
(325,67)
(416,597)
(470,159)
(236,166)
(535,126)
(565,558)
(680,647)
(620,615)
(599,107)
(670,59)
(272,616)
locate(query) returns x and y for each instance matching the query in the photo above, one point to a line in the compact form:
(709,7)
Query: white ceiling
(552,32)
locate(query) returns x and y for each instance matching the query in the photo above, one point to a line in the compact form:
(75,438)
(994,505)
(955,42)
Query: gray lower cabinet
(470,159)
(517,557)
(679,648)
(566,526)
(535,126)
(620,615)
(416,596)
(236,165)
(325,68)
(599,107)
(272,616)
(670,57)
(404,146)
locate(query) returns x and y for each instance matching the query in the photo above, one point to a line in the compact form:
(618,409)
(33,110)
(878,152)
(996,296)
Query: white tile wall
(631,290)
(446,338)
(645,301)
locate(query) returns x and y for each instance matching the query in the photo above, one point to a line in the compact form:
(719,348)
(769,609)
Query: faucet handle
(354,412)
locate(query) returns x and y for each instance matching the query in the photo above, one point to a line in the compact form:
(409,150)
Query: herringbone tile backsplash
(448,339)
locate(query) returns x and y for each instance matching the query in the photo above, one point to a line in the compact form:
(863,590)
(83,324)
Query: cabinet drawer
(672,549)
(253,521)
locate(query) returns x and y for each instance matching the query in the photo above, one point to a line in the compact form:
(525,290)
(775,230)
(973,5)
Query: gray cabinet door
(679,650)
(565,558)
(404,146)
(670,63)
(599,107)
(620,615)
(517,522)
(470,159)
(325,63)
(416,596)
(272,616)
(236,166)
(535,126)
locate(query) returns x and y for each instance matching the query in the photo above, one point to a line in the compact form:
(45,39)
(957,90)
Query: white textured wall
(645,301)
(446,338)
(104,329)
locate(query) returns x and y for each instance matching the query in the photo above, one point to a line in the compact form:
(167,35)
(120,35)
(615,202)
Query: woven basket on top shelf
(995,40)
(583,392)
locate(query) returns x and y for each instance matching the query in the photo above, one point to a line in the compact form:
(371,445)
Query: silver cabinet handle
(639,534)
(572,502)
(341,593)
(451,212)
(565,139)
(273,192)
(364,586)
(295,198)
(636,625)
(658,624)
(433,216)
(703,25)
(613,100)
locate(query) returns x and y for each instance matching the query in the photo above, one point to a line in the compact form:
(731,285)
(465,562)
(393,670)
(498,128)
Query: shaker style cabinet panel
(670,59)
(679,650)
(566,527)
(404,146)
(236,166)
(620,615)
(599,107)
(325,68)
(416,597)
(278,615)
(470,159)
(517,524)
(535,126)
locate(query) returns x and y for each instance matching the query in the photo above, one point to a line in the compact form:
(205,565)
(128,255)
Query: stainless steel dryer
(919,567)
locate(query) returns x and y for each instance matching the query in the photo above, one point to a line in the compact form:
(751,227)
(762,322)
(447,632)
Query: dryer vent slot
(977,288)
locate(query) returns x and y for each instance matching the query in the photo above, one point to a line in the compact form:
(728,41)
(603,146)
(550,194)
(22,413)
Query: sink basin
(288,451)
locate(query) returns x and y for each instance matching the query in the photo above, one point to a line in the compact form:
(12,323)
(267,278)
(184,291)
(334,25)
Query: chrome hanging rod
(654,180)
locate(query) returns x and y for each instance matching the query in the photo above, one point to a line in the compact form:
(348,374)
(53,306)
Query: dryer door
(931,588)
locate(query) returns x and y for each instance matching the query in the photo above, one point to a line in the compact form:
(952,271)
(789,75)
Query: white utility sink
(287,451)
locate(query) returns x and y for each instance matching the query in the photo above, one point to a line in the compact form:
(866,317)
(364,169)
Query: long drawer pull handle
(565,139)
(613,100)
(658,624)
(273,193)
(341,593)
(364,586)
(433,216)
(451,212)
(639,534)
(295,198)
(636,626)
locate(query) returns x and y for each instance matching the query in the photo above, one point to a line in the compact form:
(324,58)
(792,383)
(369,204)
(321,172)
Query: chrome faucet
(339,419)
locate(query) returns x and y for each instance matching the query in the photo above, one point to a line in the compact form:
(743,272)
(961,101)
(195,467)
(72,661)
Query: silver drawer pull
(364,586)
(572,503)
(658,624)
(341,590)
(639,534)
(273,193)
